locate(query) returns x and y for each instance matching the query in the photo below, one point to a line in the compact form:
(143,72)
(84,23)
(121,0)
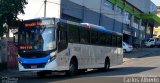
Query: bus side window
(119,41)
(94,37)
(73,35)
(84,36)
(62,40)
(114,40)
(109,39)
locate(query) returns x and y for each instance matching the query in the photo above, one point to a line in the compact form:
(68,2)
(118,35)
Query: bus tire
(107,64)
(73,68)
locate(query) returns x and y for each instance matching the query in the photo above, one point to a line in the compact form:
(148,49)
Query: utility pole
(83,6)
(45,3)
(100,16)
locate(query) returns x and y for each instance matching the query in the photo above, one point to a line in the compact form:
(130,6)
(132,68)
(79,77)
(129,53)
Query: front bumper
(52,66)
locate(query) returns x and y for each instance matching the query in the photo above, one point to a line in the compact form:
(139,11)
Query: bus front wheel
(73,68)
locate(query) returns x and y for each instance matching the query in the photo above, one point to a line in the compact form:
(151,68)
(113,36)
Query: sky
(35,9)
(157,2)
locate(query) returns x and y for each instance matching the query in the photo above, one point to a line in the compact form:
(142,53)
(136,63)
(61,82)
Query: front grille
(34,54)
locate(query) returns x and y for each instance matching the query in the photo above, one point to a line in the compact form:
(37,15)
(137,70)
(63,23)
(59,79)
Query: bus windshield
(37,38)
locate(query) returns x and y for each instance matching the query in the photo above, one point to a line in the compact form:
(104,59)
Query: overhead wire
(39,10)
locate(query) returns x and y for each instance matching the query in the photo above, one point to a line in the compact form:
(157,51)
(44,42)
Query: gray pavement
(139,53)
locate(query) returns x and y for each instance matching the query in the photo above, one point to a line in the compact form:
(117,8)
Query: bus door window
(62,40)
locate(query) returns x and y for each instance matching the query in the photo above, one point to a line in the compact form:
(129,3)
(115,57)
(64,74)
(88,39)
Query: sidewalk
(139,53)
(136,53)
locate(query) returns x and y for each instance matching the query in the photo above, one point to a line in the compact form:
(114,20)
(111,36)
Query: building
(134,19)
(158,11)
(156,31)
(130,17)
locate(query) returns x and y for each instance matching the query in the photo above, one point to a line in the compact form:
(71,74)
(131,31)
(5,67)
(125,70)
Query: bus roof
(39,19)
(88,25)
(100,28)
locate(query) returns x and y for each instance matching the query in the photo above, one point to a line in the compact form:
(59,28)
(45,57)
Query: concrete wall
(145,6)
(71,9)
(95,13)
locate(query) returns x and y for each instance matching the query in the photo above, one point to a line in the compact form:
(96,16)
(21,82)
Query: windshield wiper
(43,29)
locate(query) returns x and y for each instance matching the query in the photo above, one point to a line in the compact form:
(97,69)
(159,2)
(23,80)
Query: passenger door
(62,44)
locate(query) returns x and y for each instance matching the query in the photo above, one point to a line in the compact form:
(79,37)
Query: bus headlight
(52,57)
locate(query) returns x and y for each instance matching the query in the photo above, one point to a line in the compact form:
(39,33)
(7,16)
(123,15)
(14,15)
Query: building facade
(156,31)
(130,17)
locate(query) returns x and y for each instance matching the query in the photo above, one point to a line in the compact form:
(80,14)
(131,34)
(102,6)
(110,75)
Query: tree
(9,9)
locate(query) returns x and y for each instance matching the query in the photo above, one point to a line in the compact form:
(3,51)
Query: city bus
(51,44)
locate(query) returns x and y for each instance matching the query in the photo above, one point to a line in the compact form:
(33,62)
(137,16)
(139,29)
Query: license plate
(33,66)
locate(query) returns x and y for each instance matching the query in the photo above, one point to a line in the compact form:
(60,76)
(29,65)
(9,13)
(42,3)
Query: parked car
(151,42)
(126,47)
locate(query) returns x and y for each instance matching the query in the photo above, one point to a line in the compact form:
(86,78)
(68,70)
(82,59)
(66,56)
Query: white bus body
(87,56)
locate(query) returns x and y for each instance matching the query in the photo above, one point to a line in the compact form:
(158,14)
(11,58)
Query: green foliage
(9,9)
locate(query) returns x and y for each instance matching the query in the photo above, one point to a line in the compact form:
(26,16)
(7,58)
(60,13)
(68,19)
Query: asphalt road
(138,70)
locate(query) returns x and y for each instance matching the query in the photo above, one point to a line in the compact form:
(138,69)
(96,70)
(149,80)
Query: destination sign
(38,23)
(25,47)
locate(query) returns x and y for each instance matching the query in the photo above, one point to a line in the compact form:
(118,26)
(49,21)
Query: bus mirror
(14,40)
